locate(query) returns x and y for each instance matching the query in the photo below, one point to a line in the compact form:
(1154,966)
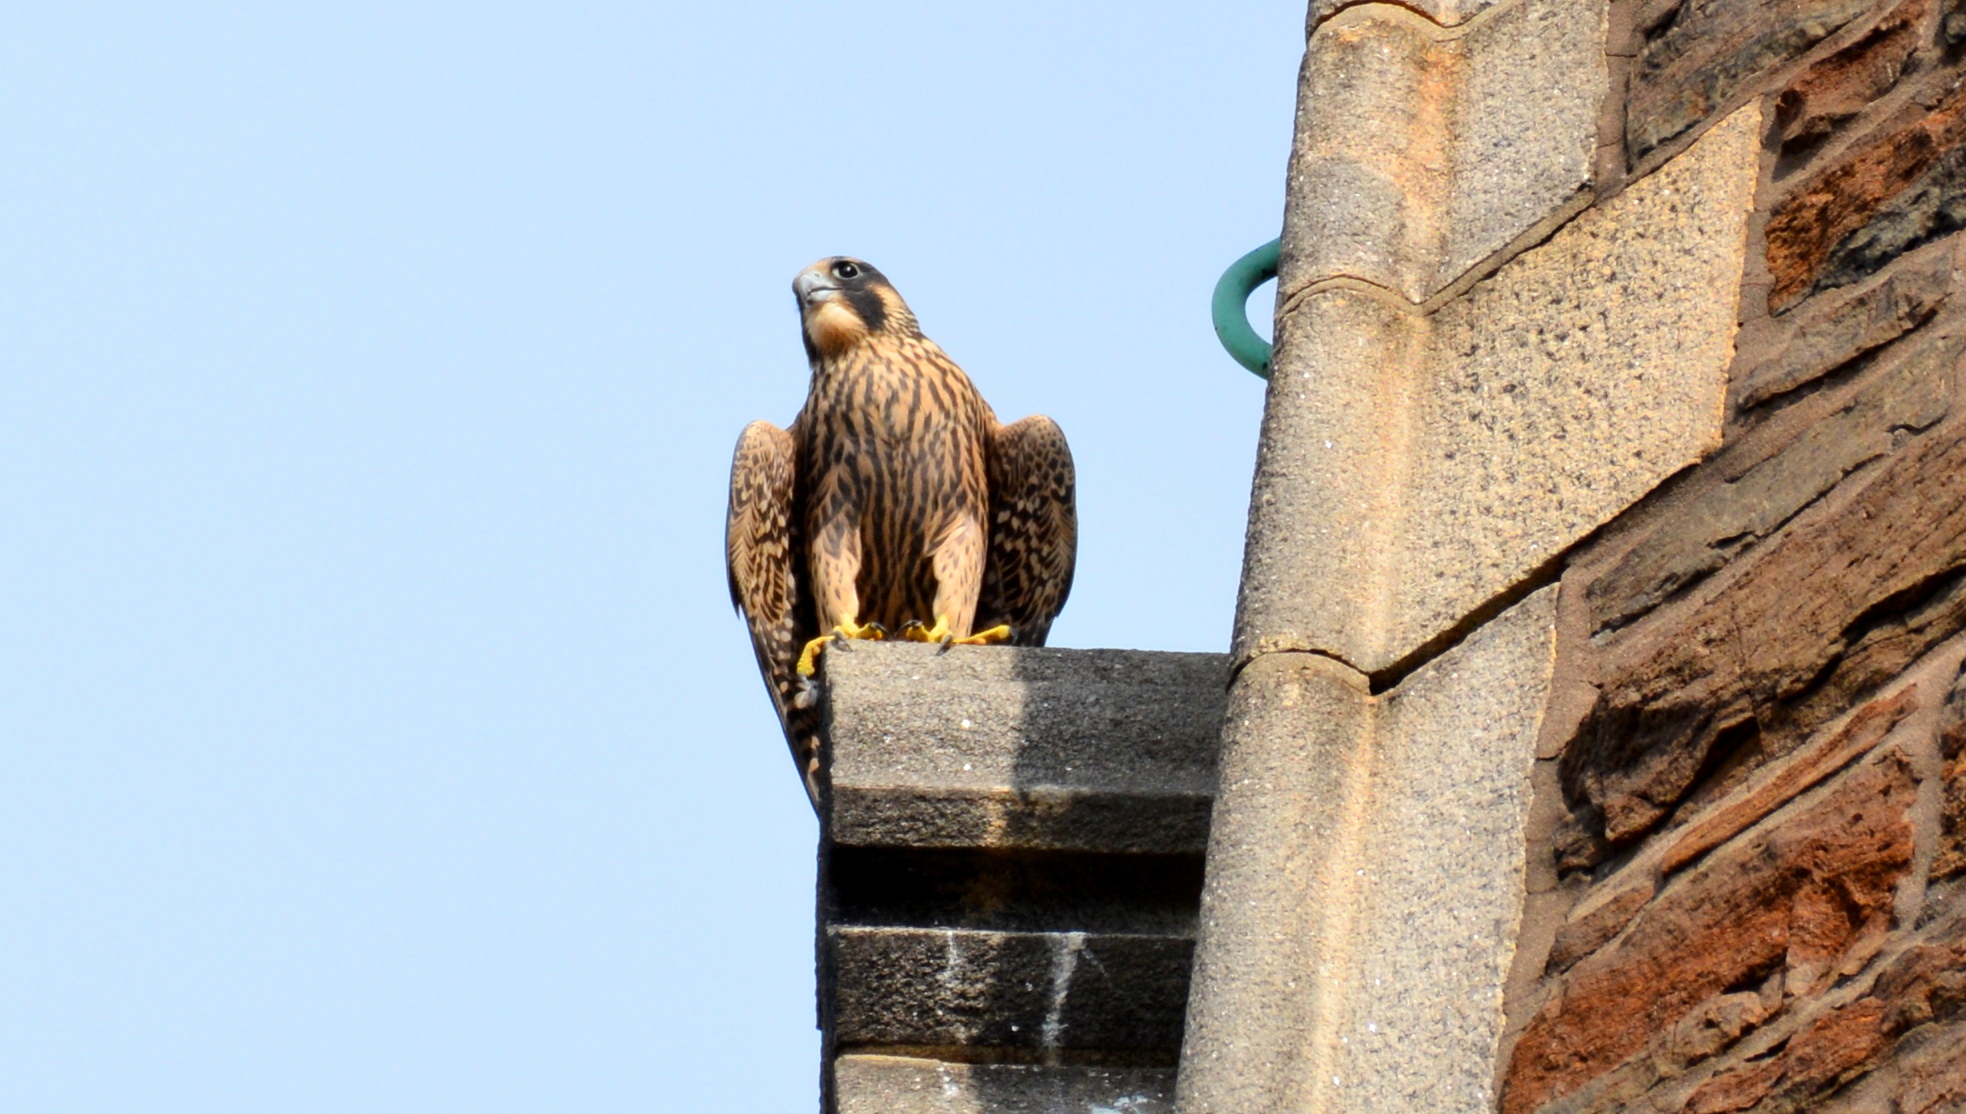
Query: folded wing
(1034,531)
(760,535)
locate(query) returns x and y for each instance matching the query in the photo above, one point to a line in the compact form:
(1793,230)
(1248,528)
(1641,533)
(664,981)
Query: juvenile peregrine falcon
(894,503)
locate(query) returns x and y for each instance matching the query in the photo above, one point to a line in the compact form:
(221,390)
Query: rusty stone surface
(1829,332)
(1801,772)
(1927,982)
(1792,898)
(1740,510)
(1598,921)
(1823,1053)
(1819,616)
(1897,190)
(1951,858)
(1839,87)
(1735,1090)
(1931,1077)
(1699,54)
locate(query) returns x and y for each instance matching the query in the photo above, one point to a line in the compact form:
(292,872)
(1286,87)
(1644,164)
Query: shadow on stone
(1011,874)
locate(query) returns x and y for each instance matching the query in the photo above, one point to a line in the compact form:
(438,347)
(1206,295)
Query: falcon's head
(843,302)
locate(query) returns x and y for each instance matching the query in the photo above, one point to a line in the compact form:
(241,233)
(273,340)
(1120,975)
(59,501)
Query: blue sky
(375,733)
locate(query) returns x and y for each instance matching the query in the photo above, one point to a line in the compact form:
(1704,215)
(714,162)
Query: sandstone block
(1951,858)
(1819,616)
(1735,511)
(1699,54)
(1104,750)
(1597,919)
(1931,1079)
(1905,1018)
(1366,878)
(1801,772)
(1891,194)
(1446,13)
(1831,331)
(1851,80)
(1421,151)
(1926,983)
(1412,470)
(1821,1053)
(905,1085)
(1793,896)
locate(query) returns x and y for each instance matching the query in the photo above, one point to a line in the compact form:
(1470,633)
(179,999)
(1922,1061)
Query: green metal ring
(1229,307)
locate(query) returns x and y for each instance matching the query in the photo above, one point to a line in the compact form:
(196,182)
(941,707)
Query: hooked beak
(814,286)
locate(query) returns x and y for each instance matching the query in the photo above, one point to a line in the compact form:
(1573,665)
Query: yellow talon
(809,657)
(996,634)
(915,632)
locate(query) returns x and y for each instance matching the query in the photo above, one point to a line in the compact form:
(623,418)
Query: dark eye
(845,270)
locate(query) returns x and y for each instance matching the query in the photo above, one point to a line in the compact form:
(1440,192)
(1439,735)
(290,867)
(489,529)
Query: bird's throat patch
(835,327)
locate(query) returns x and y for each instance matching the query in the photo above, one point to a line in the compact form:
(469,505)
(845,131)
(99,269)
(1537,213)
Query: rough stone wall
(1610,506)
(1010,863)
(1746,873)
(1595,737)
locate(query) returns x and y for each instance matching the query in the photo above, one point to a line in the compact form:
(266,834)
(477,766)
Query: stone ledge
(1047,818)
(1098,750)
(907,1085)
(1047,991)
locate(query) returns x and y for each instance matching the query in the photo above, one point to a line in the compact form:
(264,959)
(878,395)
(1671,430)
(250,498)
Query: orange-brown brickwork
(1748,884)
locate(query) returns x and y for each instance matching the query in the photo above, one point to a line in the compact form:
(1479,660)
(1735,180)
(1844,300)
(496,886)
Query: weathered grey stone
(948,988)
(1807,623)
(1911,396)
(1365,880)
(906,1085)
(1838,88)
(1881,198)
(1105,750)
(1015,891)
(1296,750)
(1698,54)
(1317,567)
(1422,151)
(1412,470)
(1830,335)
(1447,13)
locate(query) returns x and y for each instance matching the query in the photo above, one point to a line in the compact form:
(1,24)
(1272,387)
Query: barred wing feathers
(759,541)
(1034,531)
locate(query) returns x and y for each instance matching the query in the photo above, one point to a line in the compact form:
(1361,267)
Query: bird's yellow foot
(809,658)
(940,632)
(999,633)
